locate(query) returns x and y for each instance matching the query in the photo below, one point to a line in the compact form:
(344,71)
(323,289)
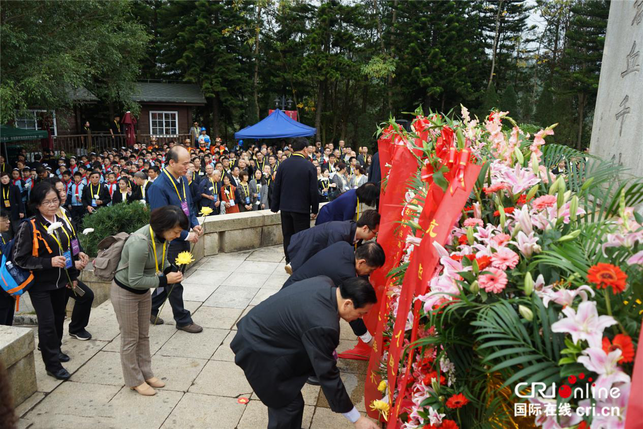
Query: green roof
(10,134)
(180,93)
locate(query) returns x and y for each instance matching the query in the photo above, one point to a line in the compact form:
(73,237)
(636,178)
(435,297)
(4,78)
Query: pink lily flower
(636,259)
(520,179)
(524,219)
(527,244)
(616,419)
(605,365)
(552,421)
(585,324)
(565,297)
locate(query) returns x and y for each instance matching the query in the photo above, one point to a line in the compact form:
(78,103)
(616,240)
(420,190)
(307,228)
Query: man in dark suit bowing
(295,193)
(307,243)
(341,262)
(292,335)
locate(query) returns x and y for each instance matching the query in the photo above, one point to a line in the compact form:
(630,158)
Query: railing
(83,144)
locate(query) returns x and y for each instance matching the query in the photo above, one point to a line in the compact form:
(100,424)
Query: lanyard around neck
(91,191)
(214,187)
(300,155)
(56,238)
(175,188)
(71,226)
(5,195)
(156,261)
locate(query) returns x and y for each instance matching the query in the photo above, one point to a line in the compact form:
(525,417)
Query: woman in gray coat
(259,190)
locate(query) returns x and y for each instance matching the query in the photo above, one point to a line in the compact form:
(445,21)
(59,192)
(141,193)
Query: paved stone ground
(203,383)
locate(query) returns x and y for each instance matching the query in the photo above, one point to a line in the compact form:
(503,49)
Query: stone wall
(617,129)
(222,234)
(16,354)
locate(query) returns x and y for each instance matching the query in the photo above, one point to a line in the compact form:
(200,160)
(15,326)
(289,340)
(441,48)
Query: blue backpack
(15,280)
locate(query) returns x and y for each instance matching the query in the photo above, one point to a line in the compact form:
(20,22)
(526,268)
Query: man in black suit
(341,261)
(292,335)
(295,193)
(95,194)
(306,244)
(142,186)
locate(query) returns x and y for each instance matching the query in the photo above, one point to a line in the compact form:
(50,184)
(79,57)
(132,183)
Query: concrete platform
(203,383)
(17,355)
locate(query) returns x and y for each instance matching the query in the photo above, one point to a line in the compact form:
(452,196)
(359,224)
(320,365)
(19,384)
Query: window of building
(34,120)
(164,123)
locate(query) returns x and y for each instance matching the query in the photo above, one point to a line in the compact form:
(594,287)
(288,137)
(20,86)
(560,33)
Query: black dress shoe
(63,357)
(60,374)
(313,381)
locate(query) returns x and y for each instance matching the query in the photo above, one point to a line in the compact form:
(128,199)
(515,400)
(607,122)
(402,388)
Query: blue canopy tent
(276,125)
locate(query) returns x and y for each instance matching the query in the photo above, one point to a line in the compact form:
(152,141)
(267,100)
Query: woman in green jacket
(143,266)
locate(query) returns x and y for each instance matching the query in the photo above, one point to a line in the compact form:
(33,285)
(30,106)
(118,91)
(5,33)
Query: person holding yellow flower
(144,266)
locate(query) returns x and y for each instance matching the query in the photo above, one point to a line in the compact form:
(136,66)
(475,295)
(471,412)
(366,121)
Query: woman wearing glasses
(44,245)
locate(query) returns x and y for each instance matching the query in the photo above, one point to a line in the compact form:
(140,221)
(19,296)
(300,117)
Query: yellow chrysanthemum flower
(206,211)
(382,386)
(382,406)
(184,258)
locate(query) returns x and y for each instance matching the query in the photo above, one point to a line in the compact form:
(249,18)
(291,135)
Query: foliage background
(110,221)
(346,65)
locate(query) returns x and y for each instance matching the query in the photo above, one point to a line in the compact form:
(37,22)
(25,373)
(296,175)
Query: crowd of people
(330,263)
(226,181)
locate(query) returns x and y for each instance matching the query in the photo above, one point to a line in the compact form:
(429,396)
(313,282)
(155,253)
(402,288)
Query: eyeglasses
(50,202)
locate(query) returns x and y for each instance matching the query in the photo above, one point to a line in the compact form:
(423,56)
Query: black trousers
(288,417)
(50,309)
(291,224)
(7,308)
(77,213)
(182,316)
(82,308)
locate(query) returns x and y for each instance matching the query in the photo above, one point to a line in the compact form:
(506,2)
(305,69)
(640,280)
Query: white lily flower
(88,231)
(53,227)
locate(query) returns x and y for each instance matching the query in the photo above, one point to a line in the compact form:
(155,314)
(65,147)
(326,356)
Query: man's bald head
(178,160)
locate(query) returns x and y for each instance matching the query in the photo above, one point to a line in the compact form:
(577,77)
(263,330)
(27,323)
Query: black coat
(375,172)
(103,195)
(207,189)
(46,277)
(336,261)
(307,243)
(295,187)
(117,197)
(137,192)
(287,338)
(14,199)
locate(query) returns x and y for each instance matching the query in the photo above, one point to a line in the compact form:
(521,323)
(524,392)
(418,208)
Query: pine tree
(490,101)
(206,43)
(509,102)
(581,65)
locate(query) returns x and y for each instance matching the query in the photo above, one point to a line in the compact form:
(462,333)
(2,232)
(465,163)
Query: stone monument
(617,133)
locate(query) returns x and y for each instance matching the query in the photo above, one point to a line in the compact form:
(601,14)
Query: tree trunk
(215,117)
(320,106)
(389,83)
(495,44)
(256,55)
(333,108)
(582,100)
(346,110)
(426,106)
